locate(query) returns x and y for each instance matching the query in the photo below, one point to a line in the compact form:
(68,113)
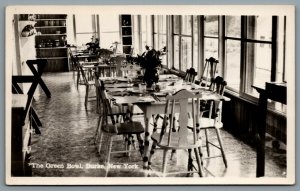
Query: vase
(151,76)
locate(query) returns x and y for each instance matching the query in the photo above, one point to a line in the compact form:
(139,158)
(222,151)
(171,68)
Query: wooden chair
(180,138)
(190,75)
(209,72)
(87,81)
(118,60)
(211,118)
(107,124)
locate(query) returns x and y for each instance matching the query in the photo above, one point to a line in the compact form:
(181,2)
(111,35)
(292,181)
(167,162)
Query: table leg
(147,140)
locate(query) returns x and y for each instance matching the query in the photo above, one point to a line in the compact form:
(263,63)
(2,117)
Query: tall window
(254,51)
(146,31)
(233,51)
(183,42)
(110,31)
(195,42)
(85,28)
(160,34)
(211,39)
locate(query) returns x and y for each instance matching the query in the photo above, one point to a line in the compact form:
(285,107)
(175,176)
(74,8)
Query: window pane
(109,31)
(211,25)
(233,26)
(176,52)
(136,35)
(280,40)
(156,17)
(260,28)
(195,48)
(211,48)
(259,65)
(186,25)
(186,53)
(233,60)
(146,34)
(176,23)
(82,39)
(163,24)
(84,23)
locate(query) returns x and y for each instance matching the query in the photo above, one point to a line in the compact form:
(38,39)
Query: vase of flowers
(151,62)
(104,54)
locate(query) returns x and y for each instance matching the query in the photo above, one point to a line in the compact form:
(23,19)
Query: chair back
(218,86)
(180,105)
(105,101)
(209,71)
(84,74)
(190,75)
(118,60)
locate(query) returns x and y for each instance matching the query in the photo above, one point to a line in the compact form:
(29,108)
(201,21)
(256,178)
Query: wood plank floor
(67,138)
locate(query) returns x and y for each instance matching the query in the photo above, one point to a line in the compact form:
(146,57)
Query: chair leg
(199,163)
(86,95)
(190,162)
(207,142)
(108,155)
(100,140)
(78,78)
(151,154)
(221,146)
(141,145)
(99,123)
(164,167)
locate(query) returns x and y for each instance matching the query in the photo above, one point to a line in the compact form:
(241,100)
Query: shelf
(52,35)
(60,47)
(53,58)
(50,19)
(40,27)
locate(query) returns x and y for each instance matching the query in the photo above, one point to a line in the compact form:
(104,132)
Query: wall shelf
(126,33)
(52,35)
(50,41)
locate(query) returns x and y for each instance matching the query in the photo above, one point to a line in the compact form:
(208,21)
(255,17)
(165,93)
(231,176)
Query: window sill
(273,107)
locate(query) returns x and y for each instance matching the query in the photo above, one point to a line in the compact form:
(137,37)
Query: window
(183,42)
(233,51)
(110,31)
(211,39)
(254,52)
(85,28)
(233,61)
(146,31)
(160,34)
(195,43)
(258,52)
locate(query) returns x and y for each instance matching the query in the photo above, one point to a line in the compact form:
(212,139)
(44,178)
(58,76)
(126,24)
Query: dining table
(151,101)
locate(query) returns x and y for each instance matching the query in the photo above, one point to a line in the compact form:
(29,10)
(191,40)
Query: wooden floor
(67,141)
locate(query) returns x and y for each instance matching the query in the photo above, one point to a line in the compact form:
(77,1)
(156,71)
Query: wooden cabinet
(50,41)
(126,33)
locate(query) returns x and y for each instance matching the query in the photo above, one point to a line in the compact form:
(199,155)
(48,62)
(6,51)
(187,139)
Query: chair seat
(206,123)
(174,144)
(137,110)
(124,128)
(91,83)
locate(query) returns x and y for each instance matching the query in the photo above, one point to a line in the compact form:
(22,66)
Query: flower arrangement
(93,45)
(150,60)
(103,54)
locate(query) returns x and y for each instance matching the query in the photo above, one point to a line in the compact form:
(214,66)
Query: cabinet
(51,41)
(126,33)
